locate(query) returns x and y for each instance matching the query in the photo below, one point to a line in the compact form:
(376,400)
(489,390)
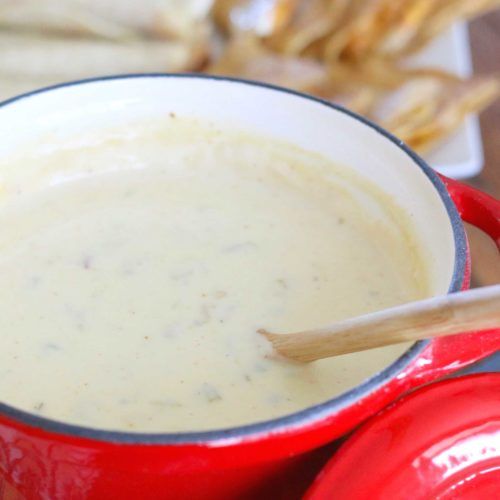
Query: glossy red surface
(476,207)
(440,442)
(47,465)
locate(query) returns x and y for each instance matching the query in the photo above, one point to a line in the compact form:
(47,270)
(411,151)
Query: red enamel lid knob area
(439,442)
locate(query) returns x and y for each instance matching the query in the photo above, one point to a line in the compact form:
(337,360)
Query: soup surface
(138,263)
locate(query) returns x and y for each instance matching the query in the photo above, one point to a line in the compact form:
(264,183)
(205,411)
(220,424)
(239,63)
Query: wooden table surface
(485,43)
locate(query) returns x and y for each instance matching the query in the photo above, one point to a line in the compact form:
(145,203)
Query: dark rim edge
(304,417)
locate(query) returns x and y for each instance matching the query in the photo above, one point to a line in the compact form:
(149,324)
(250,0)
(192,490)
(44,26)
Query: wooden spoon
(472,310)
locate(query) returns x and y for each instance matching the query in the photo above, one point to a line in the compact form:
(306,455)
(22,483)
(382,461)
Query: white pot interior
(304,122)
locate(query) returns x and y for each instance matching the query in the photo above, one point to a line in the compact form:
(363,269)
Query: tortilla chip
(110,19)
(55,17)
(401,36)
(312,20)
(445,14)
(247,57)
(427,109)
(55,59)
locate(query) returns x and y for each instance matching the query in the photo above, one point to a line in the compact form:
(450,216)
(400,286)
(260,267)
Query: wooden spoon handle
(472,310)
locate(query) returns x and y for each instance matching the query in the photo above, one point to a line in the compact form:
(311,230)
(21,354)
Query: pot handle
(477,208)
(448,354)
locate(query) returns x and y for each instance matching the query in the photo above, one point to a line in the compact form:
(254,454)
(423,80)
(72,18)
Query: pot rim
(302,418)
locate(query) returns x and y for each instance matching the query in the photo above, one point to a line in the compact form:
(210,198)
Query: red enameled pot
(45,459)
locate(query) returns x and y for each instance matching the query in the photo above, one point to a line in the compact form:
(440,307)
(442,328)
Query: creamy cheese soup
(138,263)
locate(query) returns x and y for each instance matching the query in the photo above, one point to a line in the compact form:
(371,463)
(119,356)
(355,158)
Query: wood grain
(485,44)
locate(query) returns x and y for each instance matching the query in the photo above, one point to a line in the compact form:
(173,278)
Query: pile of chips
(353,52)
(357,53)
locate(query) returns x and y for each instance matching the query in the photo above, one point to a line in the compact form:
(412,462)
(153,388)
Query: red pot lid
(439,442)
